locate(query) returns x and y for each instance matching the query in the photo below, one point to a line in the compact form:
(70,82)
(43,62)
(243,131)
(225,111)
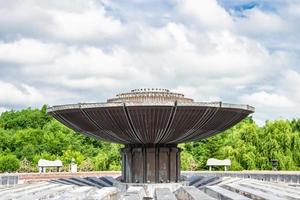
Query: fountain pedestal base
(159,164)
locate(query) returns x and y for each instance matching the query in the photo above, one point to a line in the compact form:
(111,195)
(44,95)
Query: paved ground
(195,187)
(277,176)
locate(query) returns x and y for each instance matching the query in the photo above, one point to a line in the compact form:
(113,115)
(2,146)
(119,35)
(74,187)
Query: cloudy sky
(238,51)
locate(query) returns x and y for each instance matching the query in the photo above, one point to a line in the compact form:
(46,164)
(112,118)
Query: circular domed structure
(150,123)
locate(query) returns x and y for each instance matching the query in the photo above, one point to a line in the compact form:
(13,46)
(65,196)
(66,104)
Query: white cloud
(205,93)
(29,51)
(268,106)
(226,61)
(294,9)
(66,21)
(90,24)
(266,22)
(92,82)
(266,100)
(289,85)
(23,95)
(83,68)
(157,40)
(206,12)
(2,109)
(281,101)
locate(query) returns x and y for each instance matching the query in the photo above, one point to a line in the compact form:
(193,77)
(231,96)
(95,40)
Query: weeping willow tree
(250,147)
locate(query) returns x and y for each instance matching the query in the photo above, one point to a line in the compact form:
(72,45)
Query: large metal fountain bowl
(149,123)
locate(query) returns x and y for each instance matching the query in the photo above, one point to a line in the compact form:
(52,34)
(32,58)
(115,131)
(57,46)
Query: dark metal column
(150,164)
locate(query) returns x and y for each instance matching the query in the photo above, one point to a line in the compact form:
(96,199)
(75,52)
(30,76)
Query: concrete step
(68,181)
(23,187)
(193,179)
(205,180)
(251,193)
(50,193)
(62,181)
(134,193)
(164,194)
(21,194)
(108,179)
(79,193)
(98,181)
(278,192)
(218,192)
(106,193)
(277,186)
(191,193)
(86,182)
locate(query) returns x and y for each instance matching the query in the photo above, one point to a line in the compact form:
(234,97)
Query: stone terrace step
(276,186)
(252,193)
(98,181)
(21,194)
(164,194)
(134,193)
(191,193)
(220,193)
(109,179)
(68,181)
(206,180)
(50,193)
(278,192)
(86,182)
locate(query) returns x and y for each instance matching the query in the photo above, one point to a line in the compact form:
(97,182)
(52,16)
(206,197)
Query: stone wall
(273,176)
(36,177)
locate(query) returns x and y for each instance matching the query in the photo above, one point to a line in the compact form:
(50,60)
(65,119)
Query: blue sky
(237,51)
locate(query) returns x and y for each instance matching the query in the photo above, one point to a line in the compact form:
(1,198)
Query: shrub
(9,163)
(26,166)
(68,155)
(86,165)
(114,166)
(188,162)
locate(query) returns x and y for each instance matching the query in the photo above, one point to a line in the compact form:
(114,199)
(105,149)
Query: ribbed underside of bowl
(150,123)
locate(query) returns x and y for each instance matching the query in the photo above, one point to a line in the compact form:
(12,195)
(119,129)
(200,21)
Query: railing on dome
(150,90)
(150,95)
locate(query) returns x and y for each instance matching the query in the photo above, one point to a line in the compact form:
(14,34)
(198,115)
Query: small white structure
(73,166)
(215,162)
(43,164)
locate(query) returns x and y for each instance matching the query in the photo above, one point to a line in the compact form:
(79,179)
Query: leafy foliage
(26,118)
(250,147)
(87,165)
(26,166)
(30,134)
(9,163)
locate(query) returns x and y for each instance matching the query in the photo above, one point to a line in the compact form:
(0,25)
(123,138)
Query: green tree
(27,118)
(101,161)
